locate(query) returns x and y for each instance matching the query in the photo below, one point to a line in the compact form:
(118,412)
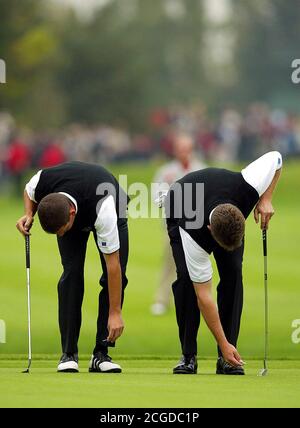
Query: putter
(27,251)
(264,371)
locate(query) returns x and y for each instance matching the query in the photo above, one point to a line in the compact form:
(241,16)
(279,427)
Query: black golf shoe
(187,365)
(68,363)
(102,363)
(224,368)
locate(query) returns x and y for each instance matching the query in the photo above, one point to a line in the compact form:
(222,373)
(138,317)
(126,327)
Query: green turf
(144,334)
(148,384)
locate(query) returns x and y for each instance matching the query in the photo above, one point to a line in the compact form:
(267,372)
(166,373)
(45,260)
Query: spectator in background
(185,162)
(7,125)
(206,141)
(256,134)
(234,135)
(229,133)
(18,162)
(52,155)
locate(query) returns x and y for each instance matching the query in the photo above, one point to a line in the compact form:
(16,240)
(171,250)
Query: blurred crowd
(231,136)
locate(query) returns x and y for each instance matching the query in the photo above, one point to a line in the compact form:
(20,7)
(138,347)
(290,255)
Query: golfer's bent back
(72,200)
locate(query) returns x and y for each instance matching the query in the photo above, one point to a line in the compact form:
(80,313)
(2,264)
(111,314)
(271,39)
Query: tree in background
(132,56)
(29,45)
(102,77)
(267,41)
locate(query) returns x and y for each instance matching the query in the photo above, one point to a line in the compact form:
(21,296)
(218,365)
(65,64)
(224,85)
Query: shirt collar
(211,214)
(71,199)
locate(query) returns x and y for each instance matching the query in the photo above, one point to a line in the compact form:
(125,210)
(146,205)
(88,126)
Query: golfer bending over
(72,200)
(229,198)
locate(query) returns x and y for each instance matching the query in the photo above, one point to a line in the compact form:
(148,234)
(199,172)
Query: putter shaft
(264,371)
(27,251)
(29,319)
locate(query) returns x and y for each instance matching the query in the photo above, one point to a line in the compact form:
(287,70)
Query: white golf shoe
(102,363)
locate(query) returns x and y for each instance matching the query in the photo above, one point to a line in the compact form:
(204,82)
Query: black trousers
(230,294)
(72,247)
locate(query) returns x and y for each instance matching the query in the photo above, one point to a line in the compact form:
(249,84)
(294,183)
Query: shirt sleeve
(197,260)
(107,227)
(32,185)
(260,173)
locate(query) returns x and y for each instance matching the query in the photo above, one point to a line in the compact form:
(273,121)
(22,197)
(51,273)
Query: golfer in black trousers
(225,201)
(73,200)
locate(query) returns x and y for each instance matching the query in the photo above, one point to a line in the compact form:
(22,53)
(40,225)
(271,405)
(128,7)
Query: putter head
(28,368)
(263,373)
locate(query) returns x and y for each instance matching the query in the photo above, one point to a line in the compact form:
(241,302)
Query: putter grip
(27,250)
(265,242)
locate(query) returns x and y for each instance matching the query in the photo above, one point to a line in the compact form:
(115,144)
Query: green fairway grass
(148,384)
(145,334)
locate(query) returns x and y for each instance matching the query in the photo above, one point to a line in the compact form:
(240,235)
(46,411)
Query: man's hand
(231,355)
(115,323)
(265,210)
(115,327)
(24,224)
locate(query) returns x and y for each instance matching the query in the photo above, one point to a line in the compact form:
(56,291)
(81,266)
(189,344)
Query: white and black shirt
(79,182)
(243,190)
